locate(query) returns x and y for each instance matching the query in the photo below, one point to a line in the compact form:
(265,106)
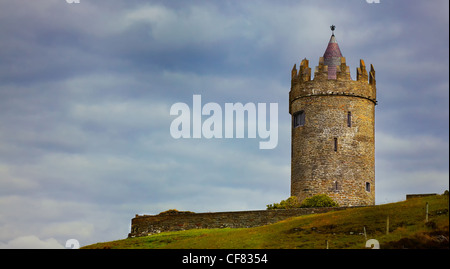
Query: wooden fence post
(387,225)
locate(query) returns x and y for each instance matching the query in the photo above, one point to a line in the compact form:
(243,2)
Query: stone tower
(333,130)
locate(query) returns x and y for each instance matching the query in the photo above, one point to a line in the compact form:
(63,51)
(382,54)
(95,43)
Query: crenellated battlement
(342,72)
(304,74)
(342,85)
(361,73)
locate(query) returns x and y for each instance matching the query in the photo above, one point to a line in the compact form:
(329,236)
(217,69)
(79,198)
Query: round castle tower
(333,130)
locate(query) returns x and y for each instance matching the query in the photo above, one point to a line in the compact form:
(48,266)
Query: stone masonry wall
(411,196)
(153,224)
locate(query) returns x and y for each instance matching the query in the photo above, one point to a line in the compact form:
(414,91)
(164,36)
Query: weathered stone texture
(153,224)
(330,153)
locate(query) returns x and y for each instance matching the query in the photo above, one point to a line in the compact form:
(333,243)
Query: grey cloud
(31,242)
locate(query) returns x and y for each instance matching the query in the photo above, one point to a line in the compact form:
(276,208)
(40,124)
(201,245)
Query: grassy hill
(340,229)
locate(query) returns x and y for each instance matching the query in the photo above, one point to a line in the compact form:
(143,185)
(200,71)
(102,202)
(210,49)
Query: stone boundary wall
(410,196)
(153,224)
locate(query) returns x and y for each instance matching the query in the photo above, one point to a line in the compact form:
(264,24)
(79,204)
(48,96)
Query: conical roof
(332,57)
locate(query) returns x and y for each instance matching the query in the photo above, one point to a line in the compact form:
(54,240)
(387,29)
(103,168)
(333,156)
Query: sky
(86,91)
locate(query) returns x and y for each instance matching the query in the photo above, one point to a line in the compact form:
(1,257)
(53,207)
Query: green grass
(342,229)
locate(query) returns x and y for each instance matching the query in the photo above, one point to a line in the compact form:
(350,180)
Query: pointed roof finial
(332,27)
(332,56)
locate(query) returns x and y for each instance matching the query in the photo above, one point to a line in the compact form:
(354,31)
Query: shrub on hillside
(320,200)
(291,202)
(174,212)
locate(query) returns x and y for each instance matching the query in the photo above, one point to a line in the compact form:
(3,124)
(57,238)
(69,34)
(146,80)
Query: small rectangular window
(299,119)
(335,144)
(367,186)
(336,186)
(349,119)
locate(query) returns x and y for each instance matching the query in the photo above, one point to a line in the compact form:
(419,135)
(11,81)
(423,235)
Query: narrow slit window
(367,186)
(299,118)
(336,186)
(349,119)
(335,144)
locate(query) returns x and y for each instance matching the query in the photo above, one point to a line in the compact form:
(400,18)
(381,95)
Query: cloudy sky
(86,90)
